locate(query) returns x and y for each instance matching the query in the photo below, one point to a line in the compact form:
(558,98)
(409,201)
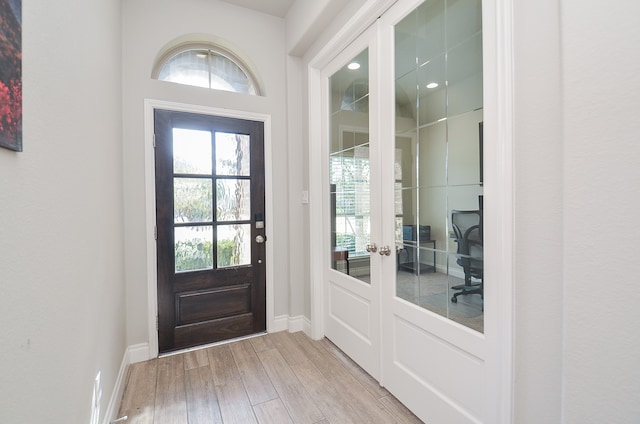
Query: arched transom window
(206,66)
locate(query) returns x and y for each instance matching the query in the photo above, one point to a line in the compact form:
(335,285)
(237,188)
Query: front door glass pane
(191,151)
(193,248)
(232,154)
(233,199)
(234,245)
(192,200)
(349,168)
(438,199)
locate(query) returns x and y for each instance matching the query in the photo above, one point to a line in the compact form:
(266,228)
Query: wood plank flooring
(277,378)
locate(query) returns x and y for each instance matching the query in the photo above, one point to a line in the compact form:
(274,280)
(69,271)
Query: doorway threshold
(208,345)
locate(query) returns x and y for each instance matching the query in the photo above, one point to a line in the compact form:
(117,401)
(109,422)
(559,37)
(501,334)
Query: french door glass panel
(349,168)
(438,103)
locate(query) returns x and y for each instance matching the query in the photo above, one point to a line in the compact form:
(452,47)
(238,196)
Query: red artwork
(11,74)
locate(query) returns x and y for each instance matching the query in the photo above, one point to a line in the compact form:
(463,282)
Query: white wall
(308,18)
(601,172)
(61,244)
(148,26)
(577,154)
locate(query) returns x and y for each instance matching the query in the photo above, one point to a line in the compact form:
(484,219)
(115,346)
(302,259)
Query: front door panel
(210,217)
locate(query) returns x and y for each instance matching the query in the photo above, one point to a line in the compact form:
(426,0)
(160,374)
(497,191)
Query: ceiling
(271,7)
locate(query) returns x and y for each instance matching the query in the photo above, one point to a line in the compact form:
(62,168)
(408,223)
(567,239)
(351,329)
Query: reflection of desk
(340,254)
(409,260)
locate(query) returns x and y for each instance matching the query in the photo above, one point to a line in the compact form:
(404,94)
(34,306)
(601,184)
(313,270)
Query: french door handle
(371,248)
(385,250)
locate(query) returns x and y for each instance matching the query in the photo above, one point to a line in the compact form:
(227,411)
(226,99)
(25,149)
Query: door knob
(371,248)
(385,250)
(260,239)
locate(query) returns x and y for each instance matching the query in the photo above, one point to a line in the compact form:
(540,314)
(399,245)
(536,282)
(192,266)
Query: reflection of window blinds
(399,208)
(350,174)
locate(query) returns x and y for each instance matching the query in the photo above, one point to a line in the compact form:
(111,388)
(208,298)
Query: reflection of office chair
(467,226)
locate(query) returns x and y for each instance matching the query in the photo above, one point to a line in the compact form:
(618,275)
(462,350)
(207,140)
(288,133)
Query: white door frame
(150,200)
(499,175)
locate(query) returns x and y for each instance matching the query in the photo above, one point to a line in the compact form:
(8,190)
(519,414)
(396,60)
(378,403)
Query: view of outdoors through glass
(202,67)
(211,228)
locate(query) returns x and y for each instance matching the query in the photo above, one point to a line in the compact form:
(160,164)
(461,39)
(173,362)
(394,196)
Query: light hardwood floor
(276,378)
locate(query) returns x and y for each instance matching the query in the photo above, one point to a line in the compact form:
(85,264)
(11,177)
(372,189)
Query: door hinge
(154,141)
(157,323)
(155,232)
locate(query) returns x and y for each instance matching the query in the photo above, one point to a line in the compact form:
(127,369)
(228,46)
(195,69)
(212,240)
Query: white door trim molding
(150,201)
(316,207)
(499,198)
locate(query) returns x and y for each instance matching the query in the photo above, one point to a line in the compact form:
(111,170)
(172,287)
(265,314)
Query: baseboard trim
(138,353)
(133,354)
(291,324)
(118,390)
(280,323)
(295,324)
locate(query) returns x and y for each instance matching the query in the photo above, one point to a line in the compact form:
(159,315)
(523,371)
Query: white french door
(405,226)
(434,348)
(352,286)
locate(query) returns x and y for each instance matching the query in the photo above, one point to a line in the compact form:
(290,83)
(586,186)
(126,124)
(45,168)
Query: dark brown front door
(210,228)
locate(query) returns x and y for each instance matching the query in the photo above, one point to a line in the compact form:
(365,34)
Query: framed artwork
(11,74)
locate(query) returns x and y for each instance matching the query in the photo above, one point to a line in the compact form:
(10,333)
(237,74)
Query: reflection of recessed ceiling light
(201,55)
(353,66)
(432,85)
